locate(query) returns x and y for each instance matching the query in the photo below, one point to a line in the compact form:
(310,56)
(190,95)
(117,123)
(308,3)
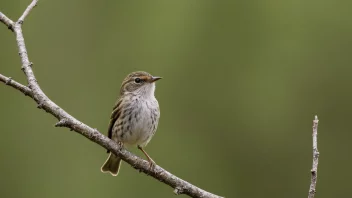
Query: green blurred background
(242,83)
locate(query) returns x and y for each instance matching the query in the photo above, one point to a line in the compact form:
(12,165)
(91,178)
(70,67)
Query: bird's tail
(111,165)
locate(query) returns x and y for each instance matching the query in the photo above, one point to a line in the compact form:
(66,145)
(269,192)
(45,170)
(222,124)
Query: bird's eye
(137,80)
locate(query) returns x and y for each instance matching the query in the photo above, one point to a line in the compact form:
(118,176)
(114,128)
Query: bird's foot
(152,164)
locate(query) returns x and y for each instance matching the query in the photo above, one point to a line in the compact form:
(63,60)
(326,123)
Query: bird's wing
(116,112)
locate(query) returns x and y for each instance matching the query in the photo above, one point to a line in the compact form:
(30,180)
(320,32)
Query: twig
(314,171)
(27,11)
(5,20)
(8,81)
(66,120)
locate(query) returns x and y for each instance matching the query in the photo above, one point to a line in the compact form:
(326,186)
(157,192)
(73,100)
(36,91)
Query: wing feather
(114,116)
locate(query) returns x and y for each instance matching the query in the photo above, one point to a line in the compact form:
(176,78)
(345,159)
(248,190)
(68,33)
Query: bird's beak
(155,78)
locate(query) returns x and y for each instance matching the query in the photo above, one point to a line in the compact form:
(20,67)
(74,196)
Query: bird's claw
(152,165)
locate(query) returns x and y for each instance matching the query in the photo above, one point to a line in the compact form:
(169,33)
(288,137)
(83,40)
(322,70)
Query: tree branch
(8,81)
(66,120)
(314,171)
(27,11)
(8,22)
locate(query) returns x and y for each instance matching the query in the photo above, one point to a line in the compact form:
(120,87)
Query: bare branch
(66,120)
(27,11)
(314,171)
(5,20)
(8,81)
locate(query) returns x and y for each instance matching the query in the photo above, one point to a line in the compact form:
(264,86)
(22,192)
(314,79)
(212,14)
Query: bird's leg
(151,161)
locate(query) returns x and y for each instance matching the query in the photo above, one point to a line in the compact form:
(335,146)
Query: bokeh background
(242,83)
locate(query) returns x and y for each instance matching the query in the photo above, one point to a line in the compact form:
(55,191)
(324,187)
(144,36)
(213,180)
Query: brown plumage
(135,116)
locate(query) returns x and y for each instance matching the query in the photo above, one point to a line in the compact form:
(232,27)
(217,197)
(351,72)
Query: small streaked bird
(134,118)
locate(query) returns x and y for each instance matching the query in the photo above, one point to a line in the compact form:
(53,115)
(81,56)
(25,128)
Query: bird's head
(140,83)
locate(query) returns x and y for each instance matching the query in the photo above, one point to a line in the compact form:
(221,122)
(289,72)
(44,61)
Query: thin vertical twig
(314,171)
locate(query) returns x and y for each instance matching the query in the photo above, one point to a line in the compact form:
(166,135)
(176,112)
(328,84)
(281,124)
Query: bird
(135,117)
